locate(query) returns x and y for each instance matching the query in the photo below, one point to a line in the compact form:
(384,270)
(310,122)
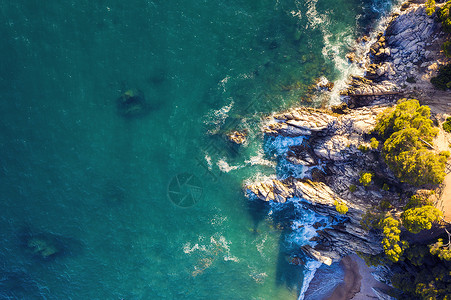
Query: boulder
(237,137)
(132,103)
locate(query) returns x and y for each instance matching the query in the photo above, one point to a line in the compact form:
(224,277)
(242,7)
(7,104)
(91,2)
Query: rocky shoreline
(335,146)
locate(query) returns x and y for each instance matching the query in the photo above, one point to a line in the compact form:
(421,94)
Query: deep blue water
(102,194)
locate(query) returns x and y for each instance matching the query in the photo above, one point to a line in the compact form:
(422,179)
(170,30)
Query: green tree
(417,167)
(341,207)
(430,7)
(420,218)
(407,130)
(406,114)
(445,17)
(443,79)
(365,179)
(392,243)
(374,144)
(442,250)
(447,125)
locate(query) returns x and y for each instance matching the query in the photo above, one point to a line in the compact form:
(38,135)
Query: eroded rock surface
(331,144)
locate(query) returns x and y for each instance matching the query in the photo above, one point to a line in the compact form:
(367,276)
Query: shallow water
(108,191)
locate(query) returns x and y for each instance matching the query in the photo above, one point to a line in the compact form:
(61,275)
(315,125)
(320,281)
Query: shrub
(374,144)
(447,125)
(407,114)
(385,187)
(341,207)
(420,218)
(442,250)
(393,245)
(446,47)
(417,201)
(363,148)
(443,79)
(430,7)
(372,218)
(445,17)
(411,80)
(407,129)
(365,179)
(352,188)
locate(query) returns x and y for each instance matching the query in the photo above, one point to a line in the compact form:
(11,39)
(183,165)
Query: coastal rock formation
(332,143)
(237,137)
(272,191)
(402,59)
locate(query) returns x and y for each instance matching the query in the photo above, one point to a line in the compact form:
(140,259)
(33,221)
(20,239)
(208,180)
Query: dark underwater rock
(47,246)
(132,104)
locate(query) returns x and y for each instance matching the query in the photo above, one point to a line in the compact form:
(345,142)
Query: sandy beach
(358,281)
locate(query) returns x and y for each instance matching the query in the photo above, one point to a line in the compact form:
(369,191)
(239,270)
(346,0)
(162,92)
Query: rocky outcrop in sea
(335,148)
(330,152)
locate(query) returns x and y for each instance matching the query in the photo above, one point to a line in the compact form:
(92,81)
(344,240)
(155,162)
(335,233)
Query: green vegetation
(446,47)
(445,17)
(420,218)
(385,187)
(418,215)
(363,148)
(341,207)
(417,201)
(447,125)
(365,179)
(407,114)
(352,188)
(442,250)
(393,245)
(428,277)
(430,7)
(374,144)
(443,79)
(407,130)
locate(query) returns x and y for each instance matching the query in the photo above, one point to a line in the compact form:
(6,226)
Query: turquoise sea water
(104,190)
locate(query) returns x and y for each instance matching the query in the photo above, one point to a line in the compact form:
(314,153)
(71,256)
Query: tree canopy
(407,130)
(420,218)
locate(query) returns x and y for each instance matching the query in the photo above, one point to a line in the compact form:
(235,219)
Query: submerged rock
(132,103)
(47,246)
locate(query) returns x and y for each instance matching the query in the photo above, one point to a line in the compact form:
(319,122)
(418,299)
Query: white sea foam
(224,166)
(216,118)
(281,144)
(218,220)
(310,268)
(261,245)
(188,249)
(218,245)
(287,169)
(314,20)
(208,160)
(223,83)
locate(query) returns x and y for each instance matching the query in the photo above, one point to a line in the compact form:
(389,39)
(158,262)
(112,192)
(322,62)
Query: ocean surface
(101,203)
